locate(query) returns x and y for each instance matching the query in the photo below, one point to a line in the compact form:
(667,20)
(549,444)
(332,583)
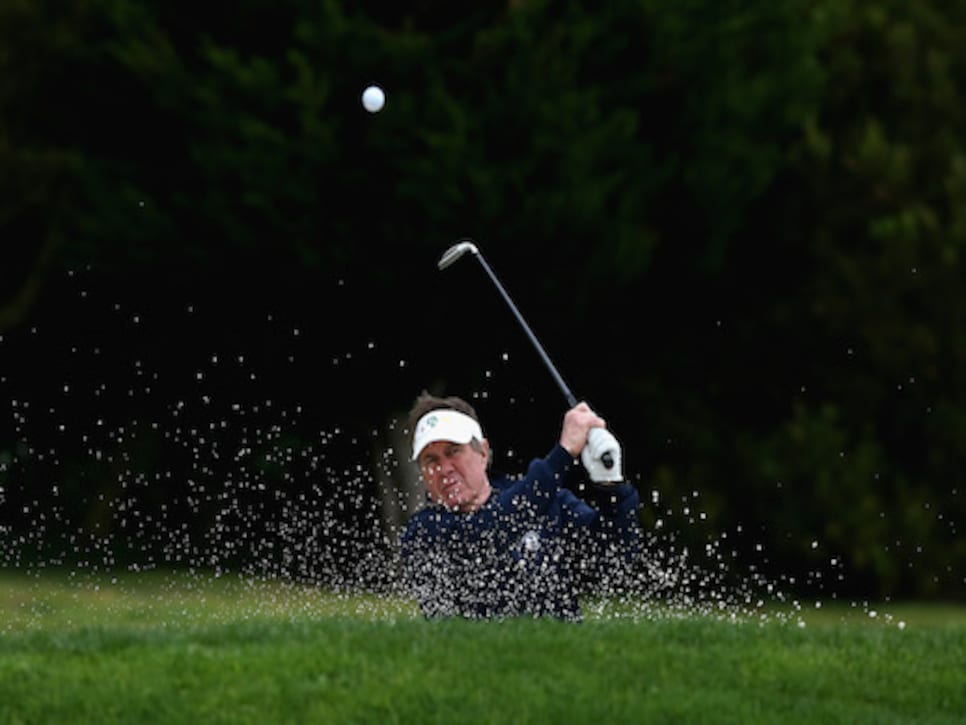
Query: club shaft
(571,400)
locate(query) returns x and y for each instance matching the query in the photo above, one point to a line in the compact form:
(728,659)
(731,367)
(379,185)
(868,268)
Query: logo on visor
(425,425)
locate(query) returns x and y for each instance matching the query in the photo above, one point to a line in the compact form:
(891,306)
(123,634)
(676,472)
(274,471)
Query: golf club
(464,246)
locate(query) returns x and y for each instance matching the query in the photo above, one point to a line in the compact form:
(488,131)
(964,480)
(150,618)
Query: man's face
(455,474)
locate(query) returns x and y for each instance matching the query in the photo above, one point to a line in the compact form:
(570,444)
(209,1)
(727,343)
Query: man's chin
(459,499)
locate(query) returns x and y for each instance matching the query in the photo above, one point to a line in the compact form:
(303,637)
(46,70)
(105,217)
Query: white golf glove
(599,442)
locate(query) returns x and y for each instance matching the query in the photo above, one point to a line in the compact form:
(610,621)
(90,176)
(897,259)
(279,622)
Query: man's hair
(427,402)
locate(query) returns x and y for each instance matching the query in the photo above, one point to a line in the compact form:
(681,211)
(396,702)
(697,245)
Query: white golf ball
(373,98)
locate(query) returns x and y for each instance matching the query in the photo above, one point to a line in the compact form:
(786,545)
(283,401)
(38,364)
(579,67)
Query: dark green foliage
(757,207)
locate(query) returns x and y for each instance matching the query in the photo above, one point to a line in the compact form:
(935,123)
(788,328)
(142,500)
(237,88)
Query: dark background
(738,228)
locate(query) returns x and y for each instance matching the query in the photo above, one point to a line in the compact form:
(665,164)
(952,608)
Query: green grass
(176,648)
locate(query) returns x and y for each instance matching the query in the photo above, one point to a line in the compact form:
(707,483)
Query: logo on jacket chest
(530,542)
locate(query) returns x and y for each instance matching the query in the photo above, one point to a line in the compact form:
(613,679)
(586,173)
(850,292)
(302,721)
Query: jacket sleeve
(545,477)
(609,546)
(618,521)
(613,523)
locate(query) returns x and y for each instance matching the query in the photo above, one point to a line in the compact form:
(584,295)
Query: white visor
(444,425)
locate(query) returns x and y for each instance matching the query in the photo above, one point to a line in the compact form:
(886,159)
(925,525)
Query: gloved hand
(599,442)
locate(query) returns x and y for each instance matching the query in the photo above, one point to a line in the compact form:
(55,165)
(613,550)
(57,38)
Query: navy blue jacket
(529,550)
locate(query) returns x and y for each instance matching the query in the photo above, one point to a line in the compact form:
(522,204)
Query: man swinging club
(506,547)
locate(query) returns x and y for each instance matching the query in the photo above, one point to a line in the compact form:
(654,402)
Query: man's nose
(446,466)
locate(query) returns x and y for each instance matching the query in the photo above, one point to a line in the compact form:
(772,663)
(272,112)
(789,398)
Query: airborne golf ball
(373,99)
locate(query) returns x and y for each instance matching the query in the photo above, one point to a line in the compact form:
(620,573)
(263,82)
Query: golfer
(504,547)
